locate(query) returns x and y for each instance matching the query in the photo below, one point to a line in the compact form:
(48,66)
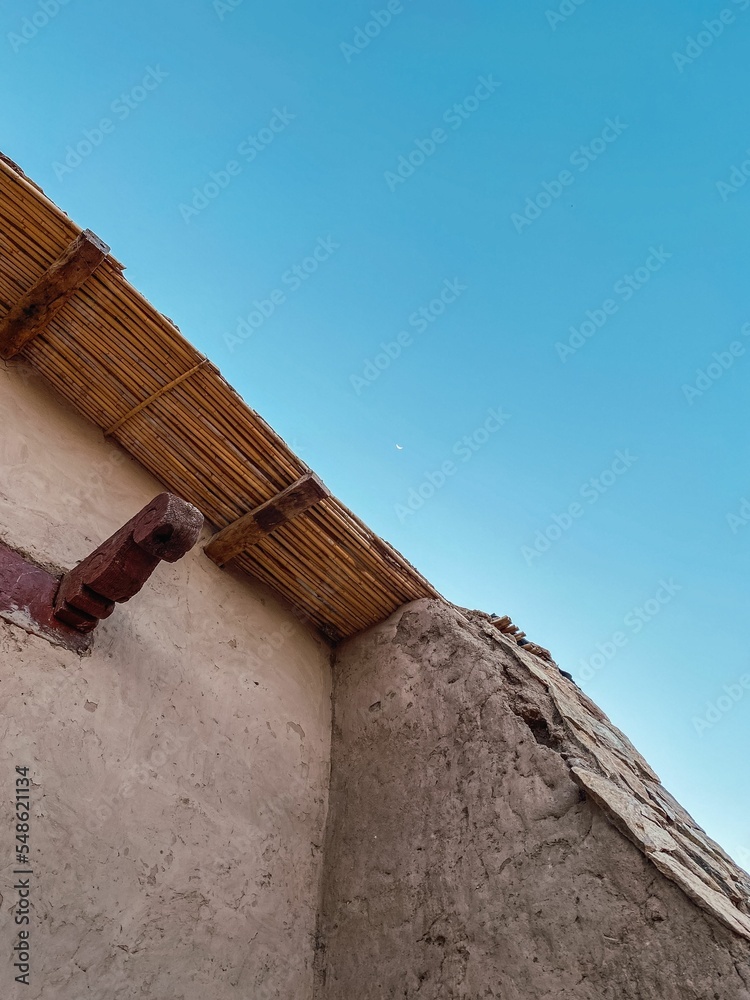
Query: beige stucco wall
(464,862)
(179,771)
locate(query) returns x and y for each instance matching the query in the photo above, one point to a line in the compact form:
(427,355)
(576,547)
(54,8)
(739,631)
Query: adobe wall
(179,771)
(464,862)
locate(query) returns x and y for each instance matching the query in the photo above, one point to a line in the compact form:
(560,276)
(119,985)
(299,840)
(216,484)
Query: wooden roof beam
(254,526)
(38,306)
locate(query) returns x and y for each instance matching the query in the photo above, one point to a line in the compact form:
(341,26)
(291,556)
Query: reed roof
(127,368)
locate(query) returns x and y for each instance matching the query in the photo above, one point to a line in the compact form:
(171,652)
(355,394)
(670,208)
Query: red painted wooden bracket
(65,611)
(164,530)
(27,596)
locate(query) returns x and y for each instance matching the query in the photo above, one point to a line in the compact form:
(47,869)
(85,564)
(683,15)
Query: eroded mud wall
(179,771)
(463,860)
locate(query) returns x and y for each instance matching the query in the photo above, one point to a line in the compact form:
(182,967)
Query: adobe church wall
(179,771)
(462,859)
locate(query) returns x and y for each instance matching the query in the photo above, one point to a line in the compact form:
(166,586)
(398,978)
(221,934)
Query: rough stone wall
(179,771)
(464,861)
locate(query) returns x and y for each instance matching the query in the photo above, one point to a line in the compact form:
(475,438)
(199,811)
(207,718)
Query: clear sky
(470,259)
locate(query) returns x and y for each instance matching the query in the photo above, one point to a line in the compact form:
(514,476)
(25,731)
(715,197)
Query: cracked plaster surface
(492,835)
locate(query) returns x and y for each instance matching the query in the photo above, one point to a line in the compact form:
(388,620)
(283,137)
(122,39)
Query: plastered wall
(464,862)
(179,771)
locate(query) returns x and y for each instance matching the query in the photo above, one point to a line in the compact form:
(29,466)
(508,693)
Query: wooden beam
(154,396)
(34,310)
(503,622)
(253,527)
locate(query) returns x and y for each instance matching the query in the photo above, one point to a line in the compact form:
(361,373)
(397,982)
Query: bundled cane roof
(127,368)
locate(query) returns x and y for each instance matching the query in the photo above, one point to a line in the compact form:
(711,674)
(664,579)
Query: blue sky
(506,238)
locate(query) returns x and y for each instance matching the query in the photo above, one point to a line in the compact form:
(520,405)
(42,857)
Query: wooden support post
(254,526)
(34,310)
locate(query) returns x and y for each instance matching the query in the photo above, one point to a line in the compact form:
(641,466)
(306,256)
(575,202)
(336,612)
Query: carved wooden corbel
(164,530)
(66,611)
